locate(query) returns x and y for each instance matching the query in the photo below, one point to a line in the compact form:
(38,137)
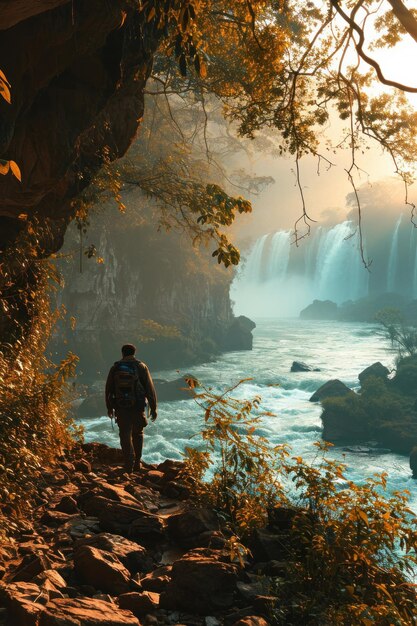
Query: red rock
(19,600)
(139,603)
(184,528)
(131,554)
(101,569)
(103,453)
(30,566)
(157,580)
(67,504)
(86,612)
(171,469)
(83,466)
(67,466)
(155,477)
(54,518)
(53,576)
(201,583)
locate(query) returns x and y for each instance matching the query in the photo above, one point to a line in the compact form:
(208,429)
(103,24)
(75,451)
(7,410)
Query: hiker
(129,385)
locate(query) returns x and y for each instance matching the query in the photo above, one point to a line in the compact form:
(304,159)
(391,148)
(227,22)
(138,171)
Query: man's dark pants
(131,424)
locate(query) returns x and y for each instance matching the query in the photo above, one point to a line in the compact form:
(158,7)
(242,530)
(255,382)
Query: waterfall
(280,255)
(393,258)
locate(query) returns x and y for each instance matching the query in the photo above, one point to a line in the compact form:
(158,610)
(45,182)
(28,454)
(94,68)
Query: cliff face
(152,288)
(77,71)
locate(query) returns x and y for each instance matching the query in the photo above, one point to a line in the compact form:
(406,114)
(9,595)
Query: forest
(169,170)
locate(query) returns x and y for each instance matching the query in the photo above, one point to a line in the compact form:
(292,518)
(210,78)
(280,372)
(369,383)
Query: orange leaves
(10,166)
(5,88)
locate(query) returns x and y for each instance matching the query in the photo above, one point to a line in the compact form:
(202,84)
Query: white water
(393,258)
(328,266)
(340,350)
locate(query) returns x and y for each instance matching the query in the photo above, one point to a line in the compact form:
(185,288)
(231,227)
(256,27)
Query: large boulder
(184,528)
(102,570)
(332,389)
(320,310)
(86,612)
(376,370)
(139,603)
(202,582)
(24,603)
(239,334)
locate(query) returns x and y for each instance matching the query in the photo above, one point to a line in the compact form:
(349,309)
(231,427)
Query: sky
(280,205)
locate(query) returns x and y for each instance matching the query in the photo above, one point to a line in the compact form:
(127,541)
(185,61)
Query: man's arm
(150,392)
(109,392)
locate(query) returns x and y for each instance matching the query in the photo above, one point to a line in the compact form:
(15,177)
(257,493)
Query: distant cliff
(147,287)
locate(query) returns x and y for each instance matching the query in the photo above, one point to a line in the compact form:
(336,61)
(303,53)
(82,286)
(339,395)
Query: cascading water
(393,258)
(279,279)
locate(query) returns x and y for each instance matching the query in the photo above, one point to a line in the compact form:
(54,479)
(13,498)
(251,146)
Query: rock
(55,518)
(170,390)
(131,554)
(101,569)
(376,369)
(267,545)
(184,528)
(92,406)
(239,334)
(83,466)
(53,577)
(157,580)
(86,612)
(102,453)
(30,566)
(67,504)
(171,469)
(332,389)
(139,603)
(24,603)
(280,518)
(201,583)
(320,310)
(413,461)
(300,366)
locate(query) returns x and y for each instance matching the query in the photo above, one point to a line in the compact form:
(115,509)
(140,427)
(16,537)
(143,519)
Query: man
(129,385)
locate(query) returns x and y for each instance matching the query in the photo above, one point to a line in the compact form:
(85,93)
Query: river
(340,350)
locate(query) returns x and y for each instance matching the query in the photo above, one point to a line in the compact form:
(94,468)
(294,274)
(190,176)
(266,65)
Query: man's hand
(110,413)
(154,415)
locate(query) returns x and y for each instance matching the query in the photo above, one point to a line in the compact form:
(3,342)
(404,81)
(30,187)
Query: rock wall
(153,289)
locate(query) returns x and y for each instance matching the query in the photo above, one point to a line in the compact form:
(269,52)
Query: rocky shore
(102,548)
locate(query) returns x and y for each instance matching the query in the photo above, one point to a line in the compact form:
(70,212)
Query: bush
(343,565)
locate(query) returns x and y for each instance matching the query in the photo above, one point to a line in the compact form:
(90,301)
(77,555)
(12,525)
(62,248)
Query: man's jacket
(145,380)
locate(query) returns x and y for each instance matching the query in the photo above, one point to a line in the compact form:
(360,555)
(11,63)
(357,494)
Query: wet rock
(86,612)
(202,582)
(320,310)
(184,528)
(300,366)
(239,335)
(332,389)
(101,569)
(413,461)
(133,556)
(139,603)
(376,369)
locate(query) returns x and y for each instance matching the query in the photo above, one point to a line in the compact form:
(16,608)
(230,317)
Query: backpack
(128,390)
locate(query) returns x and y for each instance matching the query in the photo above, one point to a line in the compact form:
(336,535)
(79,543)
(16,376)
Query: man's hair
(128,349)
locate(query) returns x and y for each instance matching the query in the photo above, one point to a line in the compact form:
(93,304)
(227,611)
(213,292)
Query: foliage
(242,466)
(403,337)
(154,330)
(35,428)
(343,565)
(7,166)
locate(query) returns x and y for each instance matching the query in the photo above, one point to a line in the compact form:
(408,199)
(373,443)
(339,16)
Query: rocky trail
(107,549)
